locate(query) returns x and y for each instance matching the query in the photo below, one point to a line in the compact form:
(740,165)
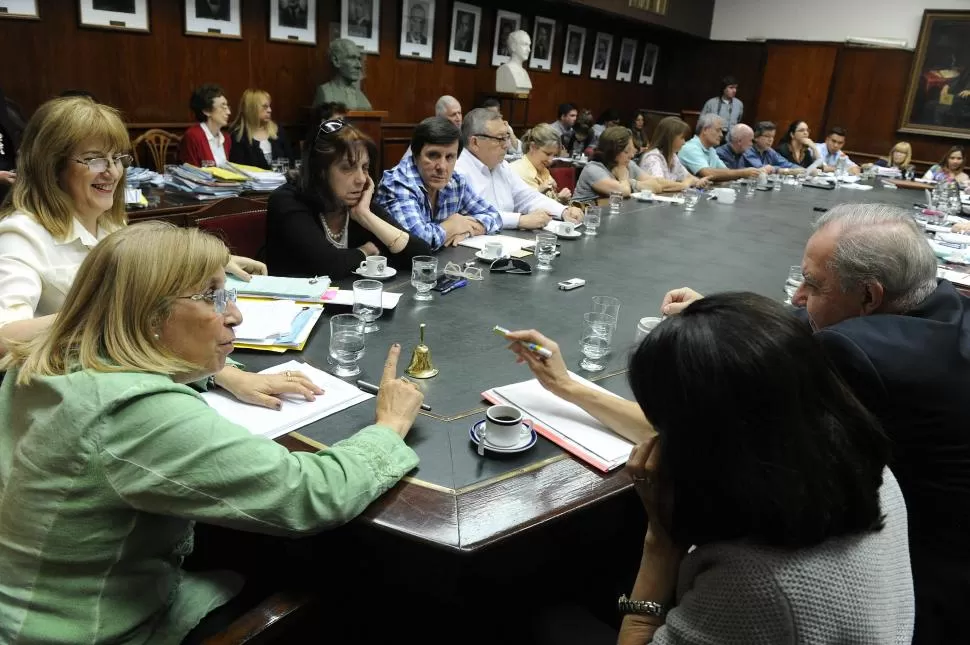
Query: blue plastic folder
(267,286)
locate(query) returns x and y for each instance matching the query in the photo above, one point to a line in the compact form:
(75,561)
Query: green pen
(538,349)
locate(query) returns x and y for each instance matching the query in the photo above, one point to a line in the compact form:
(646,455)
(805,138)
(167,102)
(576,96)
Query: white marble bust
(511,76)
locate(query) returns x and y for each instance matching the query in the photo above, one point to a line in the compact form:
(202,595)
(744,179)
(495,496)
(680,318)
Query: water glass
(368,302)
(910,174)
(776,183)
(596,340)
(346,344)
(691,197)
(424,274)
(591,221)
(751,187)
(616,199)
(545,250)
(793,282)
(606,305)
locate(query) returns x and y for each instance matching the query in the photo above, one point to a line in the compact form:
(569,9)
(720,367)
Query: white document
(857,186)
(670,199)
(956,277)
(297,412)
(346,297)
(508,242)
(263,319)
(567,420)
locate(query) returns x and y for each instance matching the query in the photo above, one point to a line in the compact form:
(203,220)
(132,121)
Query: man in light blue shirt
(762,155)
(700,157)
(830,151)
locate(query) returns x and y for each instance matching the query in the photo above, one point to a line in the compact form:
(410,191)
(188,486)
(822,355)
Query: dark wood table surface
(459,502)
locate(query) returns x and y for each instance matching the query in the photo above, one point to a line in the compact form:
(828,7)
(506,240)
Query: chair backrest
(565,177)
(244,233)
(158,142)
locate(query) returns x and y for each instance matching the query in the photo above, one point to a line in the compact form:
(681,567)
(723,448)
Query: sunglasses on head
(330,126)
(510,265)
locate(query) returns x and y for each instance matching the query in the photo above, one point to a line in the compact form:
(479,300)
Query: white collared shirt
(216,144)
(505,190)
(36,271)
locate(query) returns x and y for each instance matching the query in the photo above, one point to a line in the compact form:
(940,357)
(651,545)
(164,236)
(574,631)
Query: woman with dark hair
(797,146)
(325,223)
(638,127)
(662,161)
(950,168)
(205,142)
(760,458)
(613,169)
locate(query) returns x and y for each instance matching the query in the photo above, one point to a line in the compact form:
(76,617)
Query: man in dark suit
(901,341)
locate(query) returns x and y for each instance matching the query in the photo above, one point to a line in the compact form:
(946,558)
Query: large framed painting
(938,99)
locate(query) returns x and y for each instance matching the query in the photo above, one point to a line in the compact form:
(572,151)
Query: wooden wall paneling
(796,82)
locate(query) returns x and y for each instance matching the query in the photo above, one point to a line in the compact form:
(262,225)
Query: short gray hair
(707,120)
(881,243)
(441,105)
(475,121)
(737,130)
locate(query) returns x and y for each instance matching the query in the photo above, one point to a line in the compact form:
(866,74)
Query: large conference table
(464,504)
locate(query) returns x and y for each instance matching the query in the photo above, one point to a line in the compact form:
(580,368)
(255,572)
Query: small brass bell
(421,366)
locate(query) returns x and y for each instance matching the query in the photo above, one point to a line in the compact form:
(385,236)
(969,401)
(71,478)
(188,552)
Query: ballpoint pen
(370,388)
(538,349)
(457,285)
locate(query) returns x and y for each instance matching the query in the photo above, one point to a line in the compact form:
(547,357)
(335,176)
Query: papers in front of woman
(296,412)
(269,286)
(275,325)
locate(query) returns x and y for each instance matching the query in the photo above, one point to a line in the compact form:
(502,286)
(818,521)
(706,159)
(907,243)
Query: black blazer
(808,159)
(249,154)
(913,372)
(297,245)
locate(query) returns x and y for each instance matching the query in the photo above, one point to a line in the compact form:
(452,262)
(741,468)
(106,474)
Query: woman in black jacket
(256,139)
(324,223)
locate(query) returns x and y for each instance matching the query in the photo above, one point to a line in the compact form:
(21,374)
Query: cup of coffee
(645,326)
(567,228)
(504,426)
(494,249)
(374,265)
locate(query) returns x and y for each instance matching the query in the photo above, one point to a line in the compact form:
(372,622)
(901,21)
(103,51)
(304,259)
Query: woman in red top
(206,142)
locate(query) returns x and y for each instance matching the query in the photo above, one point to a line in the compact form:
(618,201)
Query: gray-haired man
(699,155)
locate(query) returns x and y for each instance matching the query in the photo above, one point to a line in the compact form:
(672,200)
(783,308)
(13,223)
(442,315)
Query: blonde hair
(55,130)
(540,136)
(123,291)
(247,117)
(900,145)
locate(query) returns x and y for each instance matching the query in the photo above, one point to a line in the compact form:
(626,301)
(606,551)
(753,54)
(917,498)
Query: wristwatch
(641,607)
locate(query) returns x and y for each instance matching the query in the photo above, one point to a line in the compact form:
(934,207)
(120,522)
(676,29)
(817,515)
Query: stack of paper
(205,183)
(565,424)
(275,325)
(135,176)
(887,172)
(258,179)
(296,412)
(268,286)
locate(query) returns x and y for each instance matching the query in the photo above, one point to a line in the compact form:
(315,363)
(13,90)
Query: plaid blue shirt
(403,195)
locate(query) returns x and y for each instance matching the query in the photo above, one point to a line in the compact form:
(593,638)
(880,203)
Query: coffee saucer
(529,439)
(553,227)
(389,272)
(489,258)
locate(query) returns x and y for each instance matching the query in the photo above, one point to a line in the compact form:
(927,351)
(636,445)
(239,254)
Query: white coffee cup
(374,265)
(504,426)
(725,195)
(494,249)
(567,228)
(645,326)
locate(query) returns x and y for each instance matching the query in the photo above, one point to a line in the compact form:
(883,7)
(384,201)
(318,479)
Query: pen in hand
(538,349)
(370,388)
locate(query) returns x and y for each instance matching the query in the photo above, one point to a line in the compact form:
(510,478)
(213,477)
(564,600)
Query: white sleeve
(20,276)
(528,199)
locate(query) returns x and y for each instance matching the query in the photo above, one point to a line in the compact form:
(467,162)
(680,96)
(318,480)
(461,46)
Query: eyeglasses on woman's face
(99,165)
(219,298)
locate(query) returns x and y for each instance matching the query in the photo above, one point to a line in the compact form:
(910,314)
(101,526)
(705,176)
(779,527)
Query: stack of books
(258,180)
(205,183)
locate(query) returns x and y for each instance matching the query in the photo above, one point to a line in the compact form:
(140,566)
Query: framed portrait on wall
(360,21)
(649,64)
(217,18)
(466,22)
(572,55)
(417,29)
(543,36)
(624,67)
(505,23)
(293,21)
(602,51)
(130,15)
(938,95)
(26,9)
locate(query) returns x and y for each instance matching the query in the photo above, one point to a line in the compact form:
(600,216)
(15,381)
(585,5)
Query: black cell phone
(444,281)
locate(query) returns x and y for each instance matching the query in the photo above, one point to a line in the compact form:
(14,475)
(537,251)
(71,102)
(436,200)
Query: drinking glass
(545,250)
(606,305)
(616,199)
(346,344)
(368,303)
(596,340)
(751,187)
(591,220)
(691,197)
(793,282)
(776,182)
(910,174)
(424,273)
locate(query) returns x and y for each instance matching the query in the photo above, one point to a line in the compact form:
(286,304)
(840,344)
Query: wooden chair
(565,177)
(276,619)
(243,231)
(158,143)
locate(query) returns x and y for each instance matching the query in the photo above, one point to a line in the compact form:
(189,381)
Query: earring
(156,336)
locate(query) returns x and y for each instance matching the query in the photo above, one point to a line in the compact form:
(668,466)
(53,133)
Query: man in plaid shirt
(428,198)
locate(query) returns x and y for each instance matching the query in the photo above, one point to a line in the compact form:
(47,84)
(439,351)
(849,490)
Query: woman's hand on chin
(362,208)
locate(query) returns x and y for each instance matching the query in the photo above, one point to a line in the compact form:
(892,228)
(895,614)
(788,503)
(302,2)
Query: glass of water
(616,199)
(368,302)
(606,305)
(424,274)
(596,340)
(691,197)
(346,344)
(591,220)
(545,250)
(751,185)
(793,282)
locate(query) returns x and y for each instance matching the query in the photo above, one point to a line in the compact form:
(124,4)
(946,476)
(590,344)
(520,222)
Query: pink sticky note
(329,295)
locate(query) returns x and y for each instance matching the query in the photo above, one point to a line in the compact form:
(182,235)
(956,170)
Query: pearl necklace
(339,240)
